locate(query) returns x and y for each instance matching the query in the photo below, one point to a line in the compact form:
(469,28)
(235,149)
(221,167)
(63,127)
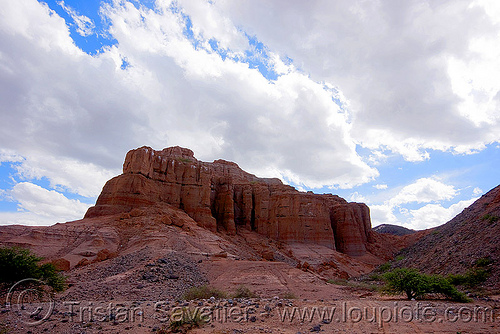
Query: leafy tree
(20,263)
(405,280)
(439,284)
(415,284)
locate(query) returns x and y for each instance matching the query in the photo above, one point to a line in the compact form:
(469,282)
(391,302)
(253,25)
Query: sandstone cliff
(220,196)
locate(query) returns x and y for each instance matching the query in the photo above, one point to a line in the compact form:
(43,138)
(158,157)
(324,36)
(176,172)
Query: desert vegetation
(184,320)
(474,276)
(204,292)
(244,292)
(414,284)
(19,263)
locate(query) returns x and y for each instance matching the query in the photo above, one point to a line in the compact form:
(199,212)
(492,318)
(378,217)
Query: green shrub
(362,284)
(490,218)
(415,284)
(338,281)
(472,278)
(184,160)
(288,295)
(203,292)
(384,267)
(483,262)
(457,279)
(244,292)
(374,277)
(20,263)
(190,318)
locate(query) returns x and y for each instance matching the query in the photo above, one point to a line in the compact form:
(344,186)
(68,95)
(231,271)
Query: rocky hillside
(456,246)
(393,229)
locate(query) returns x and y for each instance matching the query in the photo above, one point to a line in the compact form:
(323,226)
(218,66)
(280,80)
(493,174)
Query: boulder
(61,264)
(83,262)
(104,254)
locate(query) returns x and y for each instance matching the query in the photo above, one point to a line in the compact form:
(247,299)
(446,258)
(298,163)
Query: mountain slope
(456,246)
(392,229)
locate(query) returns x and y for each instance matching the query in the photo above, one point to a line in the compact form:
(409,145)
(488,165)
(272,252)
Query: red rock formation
(221,196)
(173,176)
(351,226)
(61,264)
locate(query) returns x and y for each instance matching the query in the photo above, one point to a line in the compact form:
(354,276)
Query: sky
(392,103)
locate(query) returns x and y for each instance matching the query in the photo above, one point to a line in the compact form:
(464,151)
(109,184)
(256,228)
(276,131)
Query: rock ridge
(220,196)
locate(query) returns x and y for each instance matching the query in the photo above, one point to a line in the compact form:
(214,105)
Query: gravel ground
(135,276)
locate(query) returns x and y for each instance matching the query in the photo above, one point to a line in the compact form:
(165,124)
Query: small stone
(316,328)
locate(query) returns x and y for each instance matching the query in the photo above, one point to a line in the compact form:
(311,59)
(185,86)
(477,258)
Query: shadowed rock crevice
(220,196)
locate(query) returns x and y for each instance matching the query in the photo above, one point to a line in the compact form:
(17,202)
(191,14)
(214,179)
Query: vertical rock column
(223,205)
(195,195)
(261,204)
(243,205)
(349,231)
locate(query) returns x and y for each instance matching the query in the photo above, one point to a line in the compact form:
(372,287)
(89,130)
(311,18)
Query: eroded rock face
(221,196)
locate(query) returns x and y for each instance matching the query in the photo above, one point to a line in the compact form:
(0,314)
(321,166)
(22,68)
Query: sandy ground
(116,304)
(362,315)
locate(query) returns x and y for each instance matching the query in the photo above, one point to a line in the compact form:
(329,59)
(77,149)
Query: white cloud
(9,156)
(357,197)
(85,179)
(432,215)
(4,195)
(377,157)
(404,211)
(471,77)
(396,70)
(73,114)
(25,218)
(48,205)
(417,73)
(70,114)
(424,190)
(477,191)
(84,26)
(279,65)
(383,214)
(208,22)
(380,186)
